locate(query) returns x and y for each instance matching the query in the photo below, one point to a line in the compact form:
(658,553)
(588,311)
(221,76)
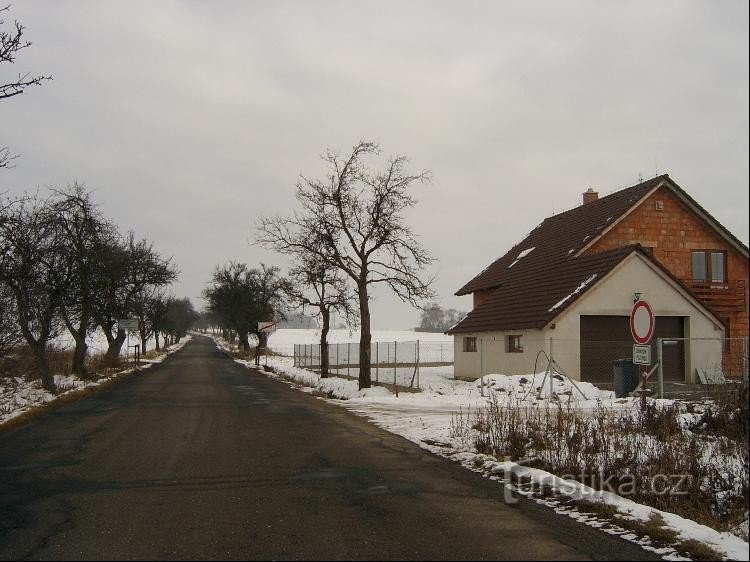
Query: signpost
(642,354)
(130,325)
(265,328)
(642,330)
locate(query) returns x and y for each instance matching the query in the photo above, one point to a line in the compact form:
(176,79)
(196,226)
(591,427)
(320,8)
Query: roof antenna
(640,177)
(656,168)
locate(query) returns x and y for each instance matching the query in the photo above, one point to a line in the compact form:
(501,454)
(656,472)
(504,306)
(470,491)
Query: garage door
(606,338)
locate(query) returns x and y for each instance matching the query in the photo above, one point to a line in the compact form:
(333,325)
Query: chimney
(590,195)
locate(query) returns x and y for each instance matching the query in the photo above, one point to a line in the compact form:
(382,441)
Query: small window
(514,344)
(717,267)
(709,265)
(699,266)
(470,345)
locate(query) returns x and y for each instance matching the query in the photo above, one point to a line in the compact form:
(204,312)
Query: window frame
(708,260)
(514,343)
(470,344)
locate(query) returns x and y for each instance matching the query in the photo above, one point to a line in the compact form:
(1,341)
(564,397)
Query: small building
(568,288)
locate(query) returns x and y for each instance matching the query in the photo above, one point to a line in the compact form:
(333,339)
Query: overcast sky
(190,119)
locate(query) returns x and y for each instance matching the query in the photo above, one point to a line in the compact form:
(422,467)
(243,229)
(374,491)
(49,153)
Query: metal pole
(348,358)
(660,359)
(377,361)
(551,359)
(481,366)
(395,360)
(418,362)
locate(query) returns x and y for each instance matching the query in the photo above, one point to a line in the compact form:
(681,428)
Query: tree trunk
(42,363)
(112,357)
(79,357)
(326,316)
(365,337)
(244,343)
(81,347)
(156,340)
(144,339)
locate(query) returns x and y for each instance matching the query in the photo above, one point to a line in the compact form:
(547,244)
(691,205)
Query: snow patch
(577,290)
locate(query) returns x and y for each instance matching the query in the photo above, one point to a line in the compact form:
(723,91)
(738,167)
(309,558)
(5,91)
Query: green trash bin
(625,375)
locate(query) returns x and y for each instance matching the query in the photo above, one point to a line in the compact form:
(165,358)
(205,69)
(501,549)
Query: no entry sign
(641,322)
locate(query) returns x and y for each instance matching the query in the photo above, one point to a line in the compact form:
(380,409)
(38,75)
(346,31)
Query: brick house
(573,281)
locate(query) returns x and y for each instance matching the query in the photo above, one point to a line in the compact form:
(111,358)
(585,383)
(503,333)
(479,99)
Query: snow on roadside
(19,396)
(426,418)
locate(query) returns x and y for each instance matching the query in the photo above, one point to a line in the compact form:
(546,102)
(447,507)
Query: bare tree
(10,338)
(34,267)
(435,318)
(356,215)
(317,285)
(11,42)
(128,268)
(239,297)
(88,236)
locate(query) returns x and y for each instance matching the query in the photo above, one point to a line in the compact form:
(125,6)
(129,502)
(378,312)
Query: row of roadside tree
(64,266)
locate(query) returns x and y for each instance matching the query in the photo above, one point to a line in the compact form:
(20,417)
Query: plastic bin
(625,374)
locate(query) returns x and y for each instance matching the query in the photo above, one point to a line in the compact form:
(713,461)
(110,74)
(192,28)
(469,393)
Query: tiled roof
(541,276)
(560,237)
(533,293)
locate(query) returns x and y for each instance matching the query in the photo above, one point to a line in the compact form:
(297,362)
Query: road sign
(642,354)
(129,324)
(641,322)
(267,327)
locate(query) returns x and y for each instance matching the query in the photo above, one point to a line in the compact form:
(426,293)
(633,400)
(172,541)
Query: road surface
(201,458)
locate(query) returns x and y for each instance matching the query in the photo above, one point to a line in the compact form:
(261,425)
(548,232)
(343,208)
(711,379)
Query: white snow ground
(426,418)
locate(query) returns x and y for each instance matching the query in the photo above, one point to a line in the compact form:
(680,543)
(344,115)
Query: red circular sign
(641,322)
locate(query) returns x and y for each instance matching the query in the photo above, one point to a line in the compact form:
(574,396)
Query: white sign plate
(642,354)
(641,322)
(267,327)
(129,324)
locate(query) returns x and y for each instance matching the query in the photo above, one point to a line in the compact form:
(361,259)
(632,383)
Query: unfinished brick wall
(672,233)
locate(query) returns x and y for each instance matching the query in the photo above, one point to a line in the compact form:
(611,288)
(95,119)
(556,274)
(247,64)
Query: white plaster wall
(612,297)
(615,297)
(491,357)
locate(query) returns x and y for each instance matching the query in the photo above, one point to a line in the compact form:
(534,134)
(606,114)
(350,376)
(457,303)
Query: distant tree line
(434,318)
(64,266)
(239,297)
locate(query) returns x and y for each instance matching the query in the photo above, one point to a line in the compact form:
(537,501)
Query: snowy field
(428,418)
(283,341)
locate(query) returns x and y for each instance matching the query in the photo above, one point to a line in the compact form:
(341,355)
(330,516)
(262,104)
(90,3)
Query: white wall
(491,356)
(611,296)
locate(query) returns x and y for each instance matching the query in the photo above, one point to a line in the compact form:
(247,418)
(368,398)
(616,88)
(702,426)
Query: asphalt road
(200,458)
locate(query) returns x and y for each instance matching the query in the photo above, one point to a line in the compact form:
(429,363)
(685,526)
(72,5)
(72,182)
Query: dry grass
(697,550)
(700,473)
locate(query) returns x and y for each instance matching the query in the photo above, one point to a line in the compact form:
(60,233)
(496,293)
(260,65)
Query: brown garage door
(606,338)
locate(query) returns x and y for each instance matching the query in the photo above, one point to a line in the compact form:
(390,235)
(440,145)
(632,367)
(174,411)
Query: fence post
(660,359)
(441,352)
(395,361)
(481,366)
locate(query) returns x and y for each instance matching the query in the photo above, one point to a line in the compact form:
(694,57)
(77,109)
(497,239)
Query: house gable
(672,233)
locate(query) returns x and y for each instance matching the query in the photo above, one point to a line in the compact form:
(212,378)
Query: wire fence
(393,363)
(678,367)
